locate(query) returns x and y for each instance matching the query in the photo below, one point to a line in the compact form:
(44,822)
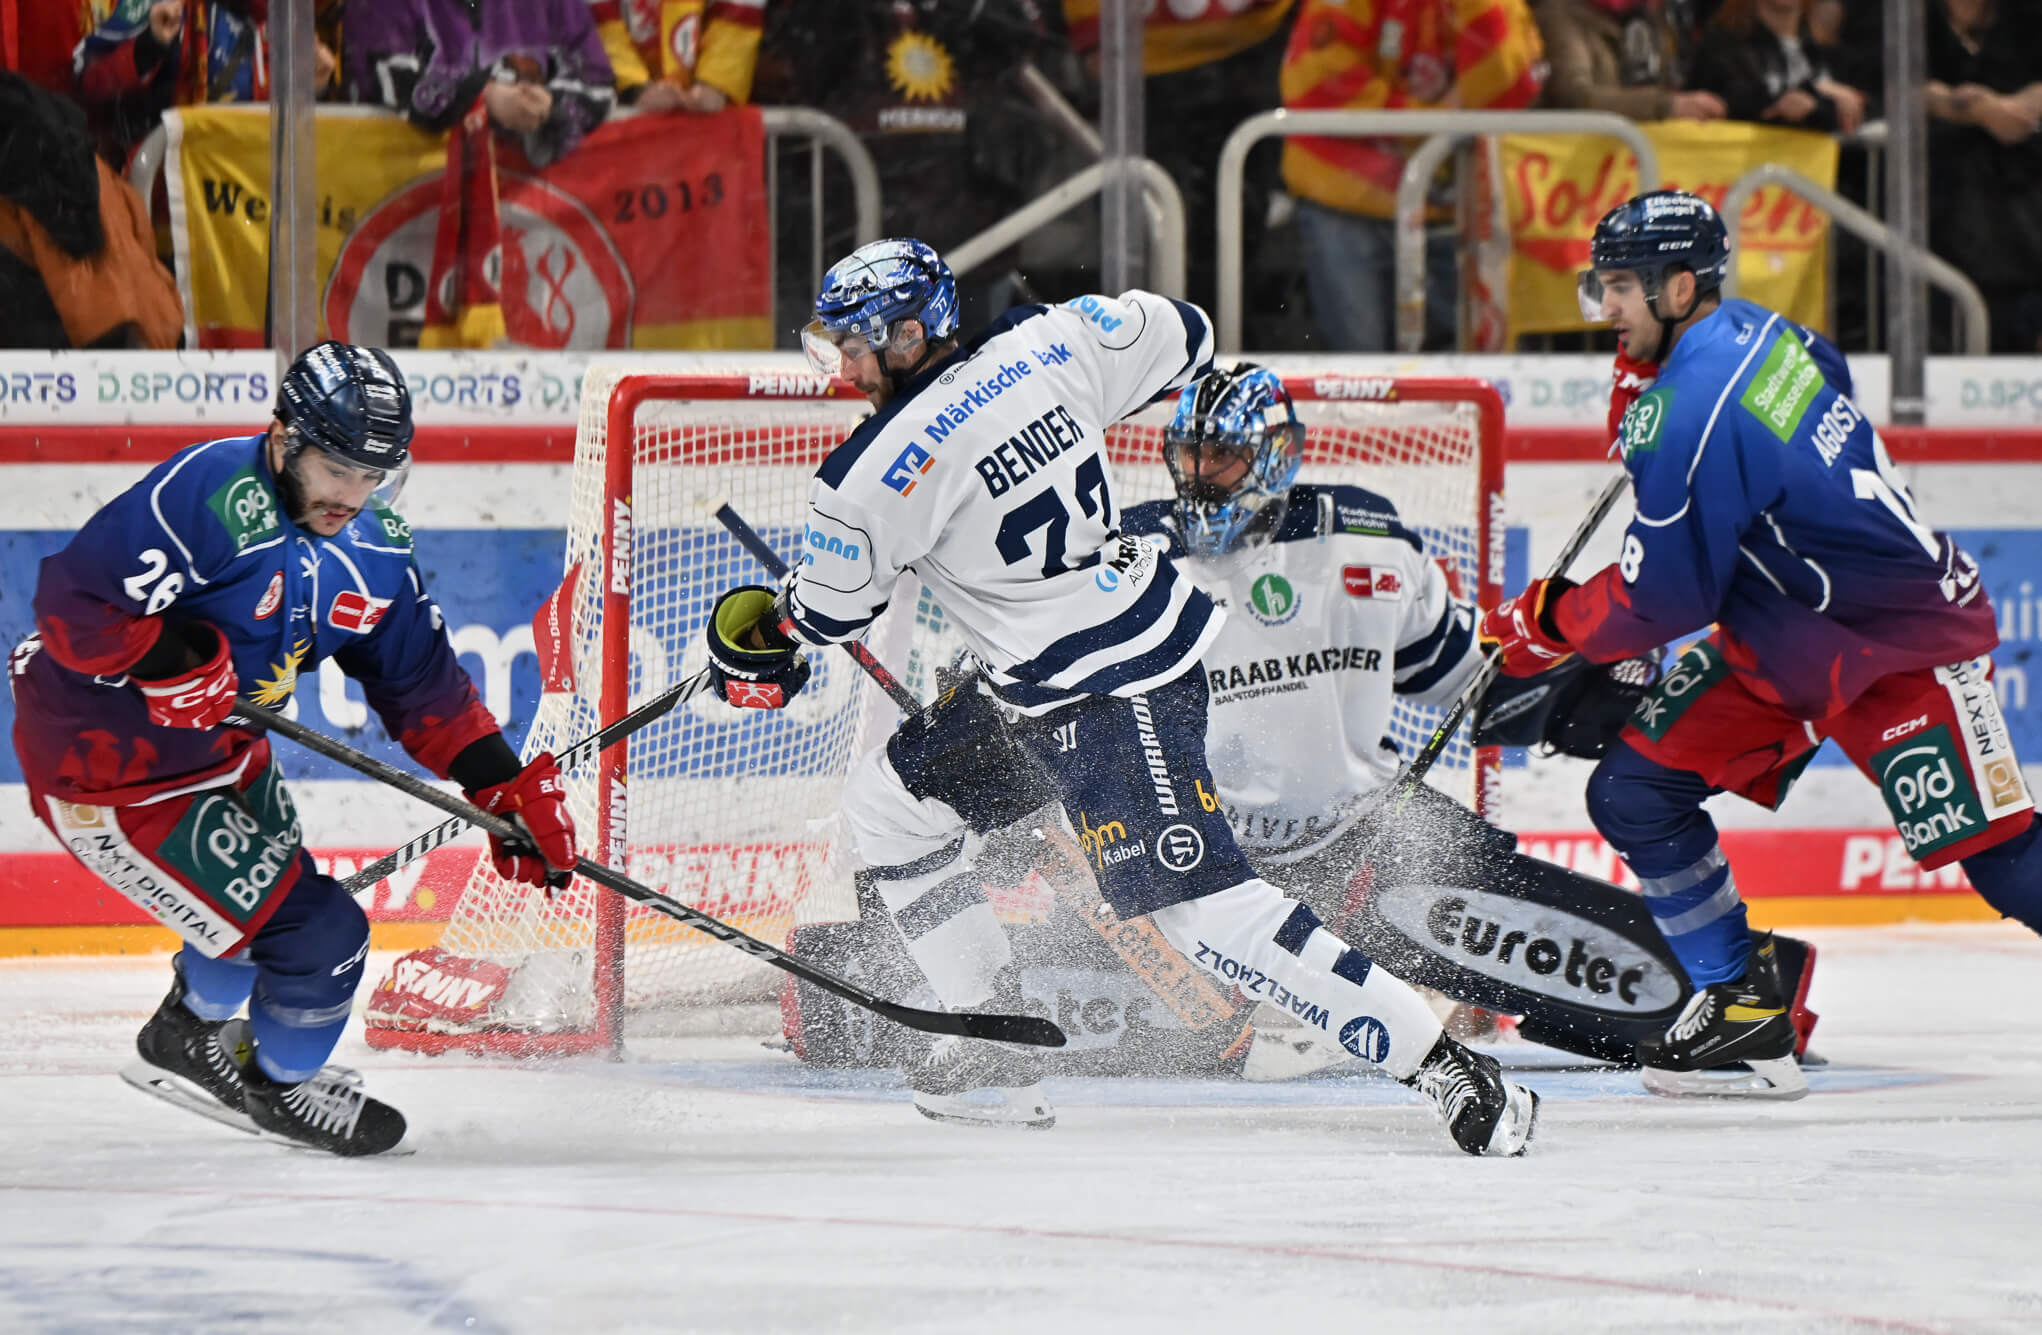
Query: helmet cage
(1214,518)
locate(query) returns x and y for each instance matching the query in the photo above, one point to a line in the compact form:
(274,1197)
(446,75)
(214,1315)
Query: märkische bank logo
(1272,599)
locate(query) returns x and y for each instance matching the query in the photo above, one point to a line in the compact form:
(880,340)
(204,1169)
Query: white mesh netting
(733,811)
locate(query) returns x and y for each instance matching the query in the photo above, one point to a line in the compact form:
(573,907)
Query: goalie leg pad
(1275,950)
(308,960)
(1652,815)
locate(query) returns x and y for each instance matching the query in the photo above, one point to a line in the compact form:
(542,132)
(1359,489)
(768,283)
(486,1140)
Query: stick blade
(1028,1030)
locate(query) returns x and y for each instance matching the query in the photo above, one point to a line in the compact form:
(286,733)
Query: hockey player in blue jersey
(984,471)
(232,568)
(1767,506)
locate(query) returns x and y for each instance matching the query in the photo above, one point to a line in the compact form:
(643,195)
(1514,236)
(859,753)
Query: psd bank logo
(563,283)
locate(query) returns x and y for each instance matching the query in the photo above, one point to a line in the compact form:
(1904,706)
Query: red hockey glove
(536,801)
(1521,631)
(745,675)
(1628,379)
(200,697)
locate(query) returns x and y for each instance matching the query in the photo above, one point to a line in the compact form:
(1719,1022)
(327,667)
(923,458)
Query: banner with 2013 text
(639,237)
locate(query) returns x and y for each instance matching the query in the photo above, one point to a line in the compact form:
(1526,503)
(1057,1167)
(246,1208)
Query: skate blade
(179,1092)
(1022,1107)
(1768,1078)
(1514,1129)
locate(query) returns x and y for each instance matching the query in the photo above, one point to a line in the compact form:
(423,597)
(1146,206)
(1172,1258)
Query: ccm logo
(352,611)
(1902,729)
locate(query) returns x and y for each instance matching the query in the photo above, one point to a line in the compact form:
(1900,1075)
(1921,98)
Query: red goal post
(732,811)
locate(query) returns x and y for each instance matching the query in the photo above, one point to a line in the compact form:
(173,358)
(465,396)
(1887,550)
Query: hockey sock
(940,906)
(1653,816)
(215,989)
(1275,950)
(2008,876)
(308,962)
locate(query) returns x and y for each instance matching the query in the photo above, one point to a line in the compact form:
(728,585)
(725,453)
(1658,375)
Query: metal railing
(1165,213)
(1449,126)
(780,123)
(1976,326)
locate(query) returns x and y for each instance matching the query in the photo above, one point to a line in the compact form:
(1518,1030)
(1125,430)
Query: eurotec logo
(1536,947)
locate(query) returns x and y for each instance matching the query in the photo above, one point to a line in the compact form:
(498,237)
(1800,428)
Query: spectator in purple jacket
(538,66)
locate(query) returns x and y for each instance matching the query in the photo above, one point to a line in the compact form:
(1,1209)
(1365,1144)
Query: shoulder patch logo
(1786,382)
(395,531)
(1644,421)
(907,470)
(247,508)
(1359,581)
(1272,599)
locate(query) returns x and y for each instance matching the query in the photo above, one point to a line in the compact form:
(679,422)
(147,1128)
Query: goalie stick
(1435,745)
(583,751)
(1024,1029)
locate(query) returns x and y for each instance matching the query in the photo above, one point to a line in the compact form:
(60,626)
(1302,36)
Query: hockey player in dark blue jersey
(232,568)
(1767,506)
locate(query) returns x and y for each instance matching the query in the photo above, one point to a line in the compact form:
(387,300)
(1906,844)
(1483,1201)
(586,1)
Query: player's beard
(307,513)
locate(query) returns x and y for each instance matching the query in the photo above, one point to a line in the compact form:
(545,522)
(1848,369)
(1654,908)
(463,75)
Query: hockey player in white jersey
(984,472)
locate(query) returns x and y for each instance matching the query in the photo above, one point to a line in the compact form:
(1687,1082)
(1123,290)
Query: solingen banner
(638,238)
(1558,186)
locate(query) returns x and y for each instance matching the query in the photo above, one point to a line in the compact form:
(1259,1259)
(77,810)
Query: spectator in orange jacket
(1388,54)
(681,55)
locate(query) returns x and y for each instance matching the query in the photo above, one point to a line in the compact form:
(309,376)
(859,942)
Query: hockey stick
(583,751)
(1026,1029)
(1435,745)
(770,559)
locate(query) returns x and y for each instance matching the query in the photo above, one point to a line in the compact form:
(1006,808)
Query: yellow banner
(639,238)
(1558,186)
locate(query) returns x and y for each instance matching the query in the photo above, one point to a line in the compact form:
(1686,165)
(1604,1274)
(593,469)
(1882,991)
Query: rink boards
(487,507)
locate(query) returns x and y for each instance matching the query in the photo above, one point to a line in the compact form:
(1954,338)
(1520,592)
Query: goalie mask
(1233,450)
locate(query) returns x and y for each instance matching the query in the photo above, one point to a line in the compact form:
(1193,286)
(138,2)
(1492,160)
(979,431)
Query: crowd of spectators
(936,90)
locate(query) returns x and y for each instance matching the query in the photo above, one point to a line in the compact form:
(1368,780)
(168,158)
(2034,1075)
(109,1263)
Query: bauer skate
(1485,1113)
(194,1063)
(976,1083)
(1743,1026)
(328,1112)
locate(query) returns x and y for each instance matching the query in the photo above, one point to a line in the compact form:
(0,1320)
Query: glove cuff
(1547,616)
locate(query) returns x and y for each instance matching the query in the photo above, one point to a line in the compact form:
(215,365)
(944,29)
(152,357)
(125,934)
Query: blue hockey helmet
(1233,449)
(1651,235)
(352,403)
(869,292)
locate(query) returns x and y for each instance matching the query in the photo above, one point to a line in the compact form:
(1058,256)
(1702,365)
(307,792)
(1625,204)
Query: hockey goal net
(733,811)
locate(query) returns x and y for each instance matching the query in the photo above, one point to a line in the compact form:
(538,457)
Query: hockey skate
(976,1083)
(1485,1113)
(1743,1026)
(328,1112)
(193,1063)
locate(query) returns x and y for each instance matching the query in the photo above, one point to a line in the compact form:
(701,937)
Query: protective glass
(1588,291)
(382,485)
(828,349)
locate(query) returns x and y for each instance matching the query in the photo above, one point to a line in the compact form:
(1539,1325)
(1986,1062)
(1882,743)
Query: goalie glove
(752,663)
(536,802)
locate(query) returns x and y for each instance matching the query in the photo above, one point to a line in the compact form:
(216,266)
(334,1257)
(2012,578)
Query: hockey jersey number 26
(989,479)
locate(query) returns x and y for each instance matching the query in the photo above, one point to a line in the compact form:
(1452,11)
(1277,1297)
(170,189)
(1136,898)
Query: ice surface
(712,1184)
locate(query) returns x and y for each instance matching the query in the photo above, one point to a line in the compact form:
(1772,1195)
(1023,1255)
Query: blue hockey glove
(752,665)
